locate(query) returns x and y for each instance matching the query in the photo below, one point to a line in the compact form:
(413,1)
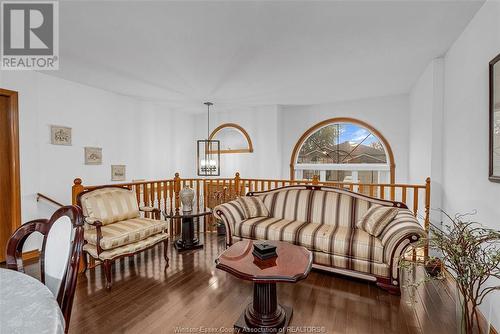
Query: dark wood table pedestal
(188,239)
(264,312)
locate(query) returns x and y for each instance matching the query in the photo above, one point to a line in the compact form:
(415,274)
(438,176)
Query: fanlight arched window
(343,150)
(233,138)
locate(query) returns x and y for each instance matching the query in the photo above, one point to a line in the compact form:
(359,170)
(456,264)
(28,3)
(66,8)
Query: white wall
(389,115)
(425,142)
(261,123)
(465,154)
(139,135)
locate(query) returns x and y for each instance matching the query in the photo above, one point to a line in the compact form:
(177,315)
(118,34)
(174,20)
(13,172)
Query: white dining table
(27,306)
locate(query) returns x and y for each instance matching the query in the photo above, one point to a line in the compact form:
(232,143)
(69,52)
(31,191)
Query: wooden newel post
(76,189)
(177,189)
(427,212)
(315,180)
(237,184)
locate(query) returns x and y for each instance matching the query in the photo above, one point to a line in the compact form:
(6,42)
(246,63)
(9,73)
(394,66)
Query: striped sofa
(114,227)
(323,219)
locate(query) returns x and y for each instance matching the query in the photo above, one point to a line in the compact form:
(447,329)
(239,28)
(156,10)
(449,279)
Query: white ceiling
(251,53)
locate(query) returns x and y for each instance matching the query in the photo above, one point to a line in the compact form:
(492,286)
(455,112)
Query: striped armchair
(114,227)
(323,219)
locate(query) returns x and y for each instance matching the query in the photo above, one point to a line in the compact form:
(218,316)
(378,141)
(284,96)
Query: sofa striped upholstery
(324,221)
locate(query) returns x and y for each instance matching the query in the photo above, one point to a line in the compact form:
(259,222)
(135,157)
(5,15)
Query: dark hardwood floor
(191,294)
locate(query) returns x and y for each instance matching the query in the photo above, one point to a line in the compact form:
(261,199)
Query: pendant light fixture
(208,162)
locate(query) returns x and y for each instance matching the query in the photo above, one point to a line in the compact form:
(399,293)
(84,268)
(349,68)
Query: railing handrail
(209,192)
(399,185)
(48,199)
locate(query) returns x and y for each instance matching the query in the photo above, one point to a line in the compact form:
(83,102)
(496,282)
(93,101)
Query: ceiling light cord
(208,104)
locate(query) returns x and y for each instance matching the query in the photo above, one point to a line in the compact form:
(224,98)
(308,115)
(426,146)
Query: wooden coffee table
(292,264)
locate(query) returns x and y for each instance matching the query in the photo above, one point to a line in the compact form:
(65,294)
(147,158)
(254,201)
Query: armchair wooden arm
(156,212)
(97,224)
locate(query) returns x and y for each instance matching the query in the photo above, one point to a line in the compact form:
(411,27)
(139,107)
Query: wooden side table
(292,264)
(188,238)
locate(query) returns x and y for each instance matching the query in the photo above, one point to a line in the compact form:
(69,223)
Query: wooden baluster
(205,202)
(237,184)
(393,192)
(138,194)
(351,187)
(403,194)
(230,190)
(198,201)
(171,195)
(165,195)
(145,197)
(269,185)
(382,192)
(250,186)
(158,194)
(415,201)
(427,213)
(371,190)
(177,189)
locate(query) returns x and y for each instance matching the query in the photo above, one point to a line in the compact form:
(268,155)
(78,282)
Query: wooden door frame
(15,192)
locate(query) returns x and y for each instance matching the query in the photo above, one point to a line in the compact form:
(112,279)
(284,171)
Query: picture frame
(60,135)
(93,155)
(118,172)
(494,120)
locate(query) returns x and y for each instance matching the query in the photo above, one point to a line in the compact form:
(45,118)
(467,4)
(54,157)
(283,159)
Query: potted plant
(468,251)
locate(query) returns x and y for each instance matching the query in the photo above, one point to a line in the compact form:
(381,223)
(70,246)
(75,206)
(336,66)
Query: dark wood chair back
(60,254)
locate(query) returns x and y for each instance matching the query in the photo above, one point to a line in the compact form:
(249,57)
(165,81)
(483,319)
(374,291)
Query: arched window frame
(241,130)
(389,166)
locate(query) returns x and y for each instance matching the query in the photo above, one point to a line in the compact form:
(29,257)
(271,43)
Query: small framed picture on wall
(93,156)
(118,172)
(60,135)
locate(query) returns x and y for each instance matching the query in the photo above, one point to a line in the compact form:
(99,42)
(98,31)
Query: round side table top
(292,264)
(27,305)
(187,214)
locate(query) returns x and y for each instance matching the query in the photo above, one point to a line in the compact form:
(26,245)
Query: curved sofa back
(321,205)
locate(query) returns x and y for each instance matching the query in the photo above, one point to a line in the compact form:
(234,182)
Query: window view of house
(343,152)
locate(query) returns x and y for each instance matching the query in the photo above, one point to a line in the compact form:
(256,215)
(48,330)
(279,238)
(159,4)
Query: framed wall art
(93,156)
(118,172)
(60,135)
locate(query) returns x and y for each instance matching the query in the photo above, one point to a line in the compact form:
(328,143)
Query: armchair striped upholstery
(323,219)
(114,227)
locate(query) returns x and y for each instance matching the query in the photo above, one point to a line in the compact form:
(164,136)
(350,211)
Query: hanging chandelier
(208,151)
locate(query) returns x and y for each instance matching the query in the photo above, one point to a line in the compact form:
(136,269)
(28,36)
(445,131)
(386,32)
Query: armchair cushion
(109,205)
(125,232)
(125,250)
(253,207)
(376,219)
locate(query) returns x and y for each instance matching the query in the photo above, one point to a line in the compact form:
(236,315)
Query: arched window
(233,138)
(343,150)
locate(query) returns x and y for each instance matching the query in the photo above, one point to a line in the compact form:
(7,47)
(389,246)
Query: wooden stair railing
(164,194)
(48,199)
